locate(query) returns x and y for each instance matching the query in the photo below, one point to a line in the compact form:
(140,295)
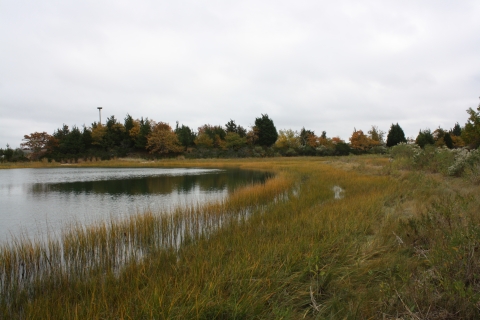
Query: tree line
(148,138)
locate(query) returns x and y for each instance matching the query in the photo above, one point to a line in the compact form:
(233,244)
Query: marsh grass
(399,244)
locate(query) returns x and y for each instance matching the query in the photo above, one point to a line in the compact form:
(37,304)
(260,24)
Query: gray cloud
(322,65)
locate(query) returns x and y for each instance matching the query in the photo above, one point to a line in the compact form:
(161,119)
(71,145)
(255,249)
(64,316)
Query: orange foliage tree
(313,141)
(163,140)
(360,141)
(37,142)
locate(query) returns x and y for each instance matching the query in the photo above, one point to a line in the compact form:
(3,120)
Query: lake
(37,202)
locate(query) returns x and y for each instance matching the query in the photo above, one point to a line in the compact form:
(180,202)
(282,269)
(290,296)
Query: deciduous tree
(98,132)
(360,141)
(287,139)
(377,135)
(439,137)
(212,131)
(252,136)
(162,140)
(204,141)
(37,142)
(305,135)
(313,141)
(471,132)
(234,141)
(457,141)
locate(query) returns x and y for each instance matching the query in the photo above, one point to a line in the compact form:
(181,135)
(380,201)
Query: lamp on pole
(100,114)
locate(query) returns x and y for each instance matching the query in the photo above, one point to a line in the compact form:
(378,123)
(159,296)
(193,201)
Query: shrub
(291,152)
(378,150)
(434,159)
(324,151)
(465,162)
(259,152)
(403,150)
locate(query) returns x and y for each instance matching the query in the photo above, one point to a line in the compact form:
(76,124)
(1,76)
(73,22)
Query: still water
(37,202)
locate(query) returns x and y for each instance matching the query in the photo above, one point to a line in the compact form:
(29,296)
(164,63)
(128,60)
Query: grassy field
(388,244)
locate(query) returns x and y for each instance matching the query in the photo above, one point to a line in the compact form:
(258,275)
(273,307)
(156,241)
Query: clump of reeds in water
(28,267)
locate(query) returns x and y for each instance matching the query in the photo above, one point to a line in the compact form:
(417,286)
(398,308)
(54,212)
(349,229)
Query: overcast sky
(322,65)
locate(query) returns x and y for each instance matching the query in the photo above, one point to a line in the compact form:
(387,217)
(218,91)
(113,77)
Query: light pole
(100,115)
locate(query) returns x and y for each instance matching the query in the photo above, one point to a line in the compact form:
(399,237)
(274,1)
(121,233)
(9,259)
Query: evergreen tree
(55,145)
(72,144)
(448,140)
(87,137)
(8,153)
(471,131)
(457,130)
(60,134)
(242,132)
(267,133)
(185,135)
(304,135)
(395,135)
(424,137)
(129,123)
(115,133)
(342,149)
(145,129)
(231,126)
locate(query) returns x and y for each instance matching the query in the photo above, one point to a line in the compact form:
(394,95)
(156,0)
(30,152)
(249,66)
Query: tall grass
(399,244)
(27,268)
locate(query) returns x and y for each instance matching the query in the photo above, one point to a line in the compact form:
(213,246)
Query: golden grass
(398,245)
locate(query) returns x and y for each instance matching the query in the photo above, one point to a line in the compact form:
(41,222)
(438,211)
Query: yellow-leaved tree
(360,141)
(287,139)
(163,140)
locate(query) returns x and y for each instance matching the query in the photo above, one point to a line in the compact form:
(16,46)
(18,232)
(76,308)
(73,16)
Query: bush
(466,162)
(378,150)
(342,149)
(259,152)
(291,152)
(403,150)
(472,173)
(324,151)
(434,159)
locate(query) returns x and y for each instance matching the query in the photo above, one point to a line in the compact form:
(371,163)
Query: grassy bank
(395,244)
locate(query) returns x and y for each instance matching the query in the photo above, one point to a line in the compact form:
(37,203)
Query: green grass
(399,244)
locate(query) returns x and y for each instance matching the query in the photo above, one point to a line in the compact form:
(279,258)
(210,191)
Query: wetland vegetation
(399,242)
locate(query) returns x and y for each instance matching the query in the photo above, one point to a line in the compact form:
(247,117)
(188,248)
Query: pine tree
(395,135)
(457,130)
(448,140)
(267,133)
(185,135)
(424,137)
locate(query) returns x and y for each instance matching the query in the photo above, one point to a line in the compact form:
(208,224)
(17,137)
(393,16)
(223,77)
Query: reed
(398,244)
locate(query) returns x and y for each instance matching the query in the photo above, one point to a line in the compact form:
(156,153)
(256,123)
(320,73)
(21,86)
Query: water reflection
(39,201)
(163,184)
